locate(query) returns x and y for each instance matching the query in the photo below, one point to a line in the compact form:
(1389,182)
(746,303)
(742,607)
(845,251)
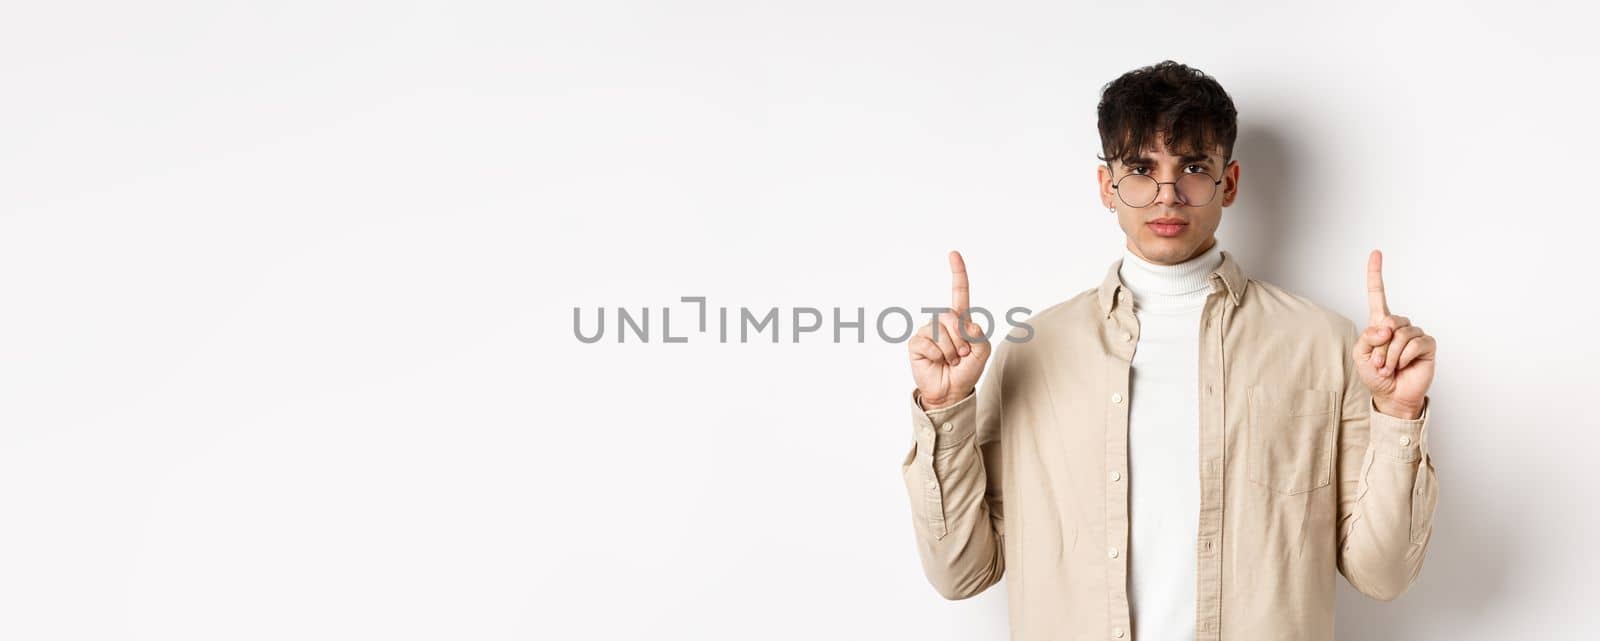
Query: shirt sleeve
(953,475)
(1387,490)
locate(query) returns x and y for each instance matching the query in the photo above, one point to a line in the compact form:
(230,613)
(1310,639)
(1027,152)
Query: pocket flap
(1293,401)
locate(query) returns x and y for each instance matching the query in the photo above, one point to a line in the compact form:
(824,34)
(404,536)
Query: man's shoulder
(1081,306)
(1076,315)
(1272,303)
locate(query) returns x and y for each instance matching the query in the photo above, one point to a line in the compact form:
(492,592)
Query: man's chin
(1166,251)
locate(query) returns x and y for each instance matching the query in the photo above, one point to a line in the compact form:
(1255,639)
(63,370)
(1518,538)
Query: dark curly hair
(1189,106)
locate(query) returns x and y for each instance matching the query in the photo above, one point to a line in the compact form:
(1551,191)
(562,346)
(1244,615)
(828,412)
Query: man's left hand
(1394,357)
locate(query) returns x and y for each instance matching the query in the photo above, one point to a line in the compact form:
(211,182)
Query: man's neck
(1165,287)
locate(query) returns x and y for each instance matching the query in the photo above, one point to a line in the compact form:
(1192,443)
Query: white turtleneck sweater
(1164,441)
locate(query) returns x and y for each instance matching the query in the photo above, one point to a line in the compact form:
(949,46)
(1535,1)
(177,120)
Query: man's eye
(1198,169)
(1139,170)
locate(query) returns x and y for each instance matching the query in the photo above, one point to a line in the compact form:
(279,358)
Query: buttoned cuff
(1399,438)
(947,426)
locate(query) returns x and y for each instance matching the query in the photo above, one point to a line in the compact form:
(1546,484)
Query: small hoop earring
(1111,209)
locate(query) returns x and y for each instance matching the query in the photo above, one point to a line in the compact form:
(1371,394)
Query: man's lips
(1168,227)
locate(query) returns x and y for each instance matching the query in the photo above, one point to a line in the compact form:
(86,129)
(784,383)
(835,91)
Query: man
(1182,452)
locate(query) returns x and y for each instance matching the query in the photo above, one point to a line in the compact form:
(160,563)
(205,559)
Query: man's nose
(1167,194)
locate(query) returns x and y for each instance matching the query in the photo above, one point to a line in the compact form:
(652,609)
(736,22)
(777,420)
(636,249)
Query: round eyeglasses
(1139,190)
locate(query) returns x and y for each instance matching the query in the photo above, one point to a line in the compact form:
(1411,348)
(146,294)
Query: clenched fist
(948,354)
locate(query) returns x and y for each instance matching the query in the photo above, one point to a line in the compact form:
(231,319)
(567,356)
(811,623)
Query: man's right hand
(946,369)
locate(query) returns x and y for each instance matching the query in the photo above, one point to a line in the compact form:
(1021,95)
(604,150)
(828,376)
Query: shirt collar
(1232,278)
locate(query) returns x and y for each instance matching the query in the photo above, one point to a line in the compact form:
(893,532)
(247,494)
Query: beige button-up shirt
(1300,475)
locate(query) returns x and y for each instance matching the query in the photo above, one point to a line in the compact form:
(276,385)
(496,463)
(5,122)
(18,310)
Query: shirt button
(945,427)
(1116,632)
(1127,337)
(1116,397)
(1116,476)
(1113,553)
(1208,388)
(1405,440)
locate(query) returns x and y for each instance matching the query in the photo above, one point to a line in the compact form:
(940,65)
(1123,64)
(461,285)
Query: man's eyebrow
(1145,161)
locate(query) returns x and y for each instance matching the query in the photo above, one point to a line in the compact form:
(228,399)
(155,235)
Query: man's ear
(1107,196)
(1230,182)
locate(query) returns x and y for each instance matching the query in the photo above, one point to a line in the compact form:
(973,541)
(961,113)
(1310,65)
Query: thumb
(976,332)
(1369,339)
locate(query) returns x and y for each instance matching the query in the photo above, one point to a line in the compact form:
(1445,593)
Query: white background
(286,296)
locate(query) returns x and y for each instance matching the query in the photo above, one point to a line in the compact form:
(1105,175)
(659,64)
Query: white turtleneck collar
(1169,288)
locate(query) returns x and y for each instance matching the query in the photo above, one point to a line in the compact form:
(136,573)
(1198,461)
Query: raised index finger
(958,282)
(1377,303)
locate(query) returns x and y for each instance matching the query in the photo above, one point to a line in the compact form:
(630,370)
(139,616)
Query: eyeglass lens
(1139,190)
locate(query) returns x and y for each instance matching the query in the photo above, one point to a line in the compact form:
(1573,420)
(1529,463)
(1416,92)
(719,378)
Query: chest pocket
(1292,432)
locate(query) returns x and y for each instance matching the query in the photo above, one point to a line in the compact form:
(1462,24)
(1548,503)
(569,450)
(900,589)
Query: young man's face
(1195,222)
